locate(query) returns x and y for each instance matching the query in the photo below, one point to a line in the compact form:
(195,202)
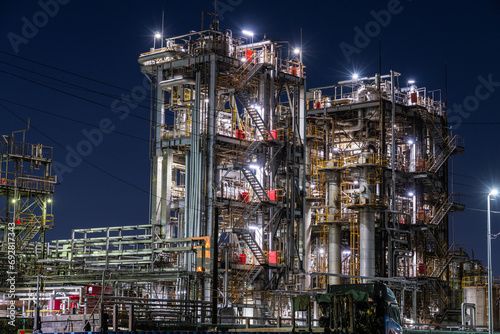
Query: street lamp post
(490,289)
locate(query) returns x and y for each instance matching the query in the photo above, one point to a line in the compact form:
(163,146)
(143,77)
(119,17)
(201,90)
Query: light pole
(248,33)
(494,192)
(157,35)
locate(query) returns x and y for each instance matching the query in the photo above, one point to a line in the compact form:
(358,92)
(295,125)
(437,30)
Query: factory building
(262,190)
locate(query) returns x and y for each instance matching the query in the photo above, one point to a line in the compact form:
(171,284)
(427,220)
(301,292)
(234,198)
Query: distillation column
(334,230)
(366,221)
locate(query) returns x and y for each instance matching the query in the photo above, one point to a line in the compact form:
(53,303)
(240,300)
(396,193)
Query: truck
(368,308)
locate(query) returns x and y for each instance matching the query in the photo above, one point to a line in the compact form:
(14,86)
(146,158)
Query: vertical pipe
(367,242)
(307,234)
(131,325)
(334,231)
(214,254)
(211,145)
(167,194)
(334,254)
(415,305)
(115,317)
(490,292)
(226,275)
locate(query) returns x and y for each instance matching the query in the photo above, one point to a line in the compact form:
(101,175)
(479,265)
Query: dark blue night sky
(101,40)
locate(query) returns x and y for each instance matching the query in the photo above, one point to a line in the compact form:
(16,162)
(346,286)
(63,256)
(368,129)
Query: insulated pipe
(334,232)
(334,254)
(176,82)
(255,45)
(465,306)
(353,128)
(393,143)
(367,242)
(307,241)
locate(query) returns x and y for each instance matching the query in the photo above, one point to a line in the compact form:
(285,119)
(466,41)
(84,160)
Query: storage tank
(477,295)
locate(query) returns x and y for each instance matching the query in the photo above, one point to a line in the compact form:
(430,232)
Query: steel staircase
(430,186)
(246,276)
(268,314)
(243,97)
(442,265)
(438,297)
(436,133)
(447,144)
(441,213)
(246,157)
(252,71)
(255,184)
(449,147)
(247,71)
(248,213)
(246,236)
(26,236)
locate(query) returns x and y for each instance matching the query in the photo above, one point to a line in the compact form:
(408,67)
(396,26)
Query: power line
(70,94)
(64,71)
(482,210)
(83,159)
(70,119)
(88,162)
(69,83)
(90,100)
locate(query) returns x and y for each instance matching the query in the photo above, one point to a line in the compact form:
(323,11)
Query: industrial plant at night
(270,203)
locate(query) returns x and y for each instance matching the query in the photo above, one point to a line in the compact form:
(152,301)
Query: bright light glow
(247,32)
(49,200)
(157,35)
(411,82)
(410,194)
(253,227)
(13,201)
(296,51)
(346,252)
(356,182)
(321,251)
(410,141)
(254,166)
(243,59)
(355,76)
(207,100)
(494,192)
(313,186)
